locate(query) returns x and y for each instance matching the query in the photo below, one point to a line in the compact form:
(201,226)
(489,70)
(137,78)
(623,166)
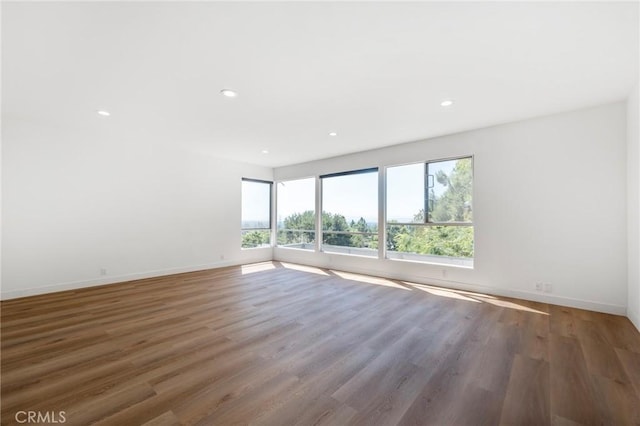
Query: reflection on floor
(279,344)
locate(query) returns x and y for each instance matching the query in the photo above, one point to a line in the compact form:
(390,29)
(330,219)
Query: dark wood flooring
(281,344)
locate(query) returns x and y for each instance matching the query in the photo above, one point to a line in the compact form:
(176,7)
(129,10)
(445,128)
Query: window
(350,212)
(256,213)
(297,213)
(429,211)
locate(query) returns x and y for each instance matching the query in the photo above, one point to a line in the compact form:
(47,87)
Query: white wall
(549,205)
(633,206)
(77,201)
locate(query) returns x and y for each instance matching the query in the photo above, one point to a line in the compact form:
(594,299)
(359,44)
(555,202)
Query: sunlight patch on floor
(368,279)
(463,295)
(441,292)
(511,305)
(256,267)
(302,268)
(472,297)
(467,293)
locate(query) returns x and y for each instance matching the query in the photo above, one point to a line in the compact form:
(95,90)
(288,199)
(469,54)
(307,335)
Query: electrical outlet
(538,286)
(548,288)
(103,271)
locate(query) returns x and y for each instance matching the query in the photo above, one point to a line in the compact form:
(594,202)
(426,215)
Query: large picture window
(296,222)
(350,212)
(430,212)
(256,213)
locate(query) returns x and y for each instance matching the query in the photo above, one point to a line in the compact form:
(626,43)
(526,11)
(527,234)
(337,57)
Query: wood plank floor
(281,344)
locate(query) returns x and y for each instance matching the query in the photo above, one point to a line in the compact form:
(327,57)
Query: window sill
(435,261)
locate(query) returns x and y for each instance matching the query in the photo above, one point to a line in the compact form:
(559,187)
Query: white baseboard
(588,305)
(536,297)
(518,294)
(634,318)
(76,285)
(456,285)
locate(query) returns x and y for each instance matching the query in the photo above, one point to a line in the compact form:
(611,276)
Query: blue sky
(255,202)
(295,196)
(353,196)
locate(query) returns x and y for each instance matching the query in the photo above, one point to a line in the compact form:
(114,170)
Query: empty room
(320,213)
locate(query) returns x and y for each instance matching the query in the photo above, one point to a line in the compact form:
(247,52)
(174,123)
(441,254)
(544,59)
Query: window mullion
(382,217)
(426,193)
(319,236)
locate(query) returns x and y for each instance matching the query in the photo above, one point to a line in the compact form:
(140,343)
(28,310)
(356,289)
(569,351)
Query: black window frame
(315,215)
(322,231)
(426,220)
(270,228)
(427,186)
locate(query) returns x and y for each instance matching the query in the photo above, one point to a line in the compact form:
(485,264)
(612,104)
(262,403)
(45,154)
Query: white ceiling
(373,72)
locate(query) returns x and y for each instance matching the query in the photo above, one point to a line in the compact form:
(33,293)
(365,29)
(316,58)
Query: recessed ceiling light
(103,113)
(228,93)
(265,151)
(333,134)
(446,103)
